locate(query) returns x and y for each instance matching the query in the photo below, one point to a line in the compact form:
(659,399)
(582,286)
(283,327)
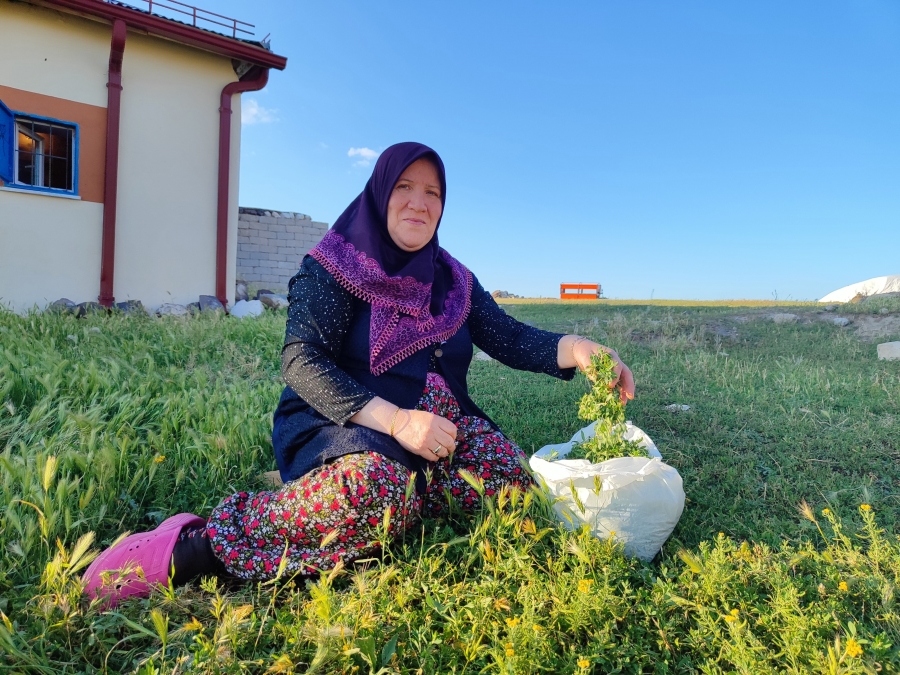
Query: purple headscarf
(418,297)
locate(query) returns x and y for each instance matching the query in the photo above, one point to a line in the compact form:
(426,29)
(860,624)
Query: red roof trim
(173,30)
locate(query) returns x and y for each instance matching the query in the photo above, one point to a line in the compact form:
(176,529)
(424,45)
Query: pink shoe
(137,563)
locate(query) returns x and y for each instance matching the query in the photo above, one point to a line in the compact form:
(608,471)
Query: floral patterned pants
(338,512)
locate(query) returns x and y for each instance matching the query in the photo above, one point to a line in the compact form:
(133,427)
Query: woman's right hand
(421,433)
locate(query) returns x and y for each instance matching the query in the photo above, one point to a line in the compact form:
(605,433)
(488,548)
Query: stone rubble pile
(210,303)
(273,300)
(171,309)
(241,292)
(243,307)
(785,318)
(889,351)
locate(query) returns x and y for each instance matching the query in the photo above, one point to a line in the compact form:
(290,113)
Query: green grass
(873,305)
(617,302)
(113,423)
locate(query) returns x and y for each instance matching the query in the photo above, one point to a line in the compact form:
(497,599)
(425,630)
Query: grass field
(786,559)
(617,302)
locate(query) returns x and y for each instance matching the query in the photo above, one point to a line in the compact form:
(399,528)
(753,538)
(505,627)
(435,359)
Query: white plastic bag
(640,498)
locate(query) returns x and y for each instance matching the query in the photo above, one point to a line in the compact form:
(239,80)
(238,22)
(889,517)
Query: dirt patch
(644,336)
(722,330)
(867,326)
(777,317)
(872,327)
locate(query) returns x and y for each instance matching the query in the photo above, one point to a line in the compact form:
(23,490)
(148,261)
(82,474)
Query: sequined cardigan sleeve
(512,342)
(321,311)
(319,314)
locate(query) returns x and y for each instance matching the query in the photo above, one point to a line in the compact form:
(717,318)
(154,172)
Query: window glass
(44,154)
(29,149)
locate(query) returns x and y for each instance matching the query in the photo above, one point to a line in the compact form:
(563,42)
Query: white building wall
(53,53)
(50,246)
(168,168)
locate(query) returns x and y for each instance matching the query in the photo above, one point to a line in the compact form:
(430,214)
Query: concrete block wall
(271,245)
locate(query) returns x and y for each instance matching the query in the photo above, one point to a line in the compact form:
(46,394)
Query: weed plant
(603,405)
(876,304)
(111,423)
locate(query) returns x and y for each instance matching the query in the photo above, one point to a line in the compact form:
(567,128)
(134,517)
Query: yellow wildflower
(825,512)
(159,459)
(584,586)
(721,535)
(843,586)
(583,663)
(536,628)
(509,649)
(513,622)
(865,507)
(735,612)
(853,648)
(730,618)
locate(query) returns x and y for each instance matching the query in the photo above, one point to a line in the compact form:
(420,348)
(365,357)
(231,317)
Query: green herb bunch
(604,406)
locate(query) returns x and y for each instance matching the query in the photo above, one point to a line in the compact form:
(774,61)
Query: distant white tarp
(889,284)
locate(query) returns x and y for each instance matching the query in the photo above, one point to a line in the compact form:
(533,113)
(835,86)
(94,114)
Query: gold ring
(439,447)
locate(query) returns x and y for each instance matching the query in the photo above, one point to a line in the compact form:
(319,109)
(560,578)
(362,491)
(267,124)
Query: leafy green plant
(874,304)
(603,405)
(110,423)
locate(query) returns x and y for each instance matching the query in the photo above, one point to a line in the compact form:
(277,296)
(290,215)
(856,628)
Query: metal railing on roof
(198,17)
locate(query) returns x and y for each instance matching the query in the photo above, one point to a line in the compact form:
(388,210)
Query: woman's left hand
(580,351)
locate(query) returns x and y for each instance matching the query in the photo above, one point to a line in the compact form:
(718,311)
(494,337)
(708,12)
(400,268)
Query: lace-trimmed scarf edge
(392,336)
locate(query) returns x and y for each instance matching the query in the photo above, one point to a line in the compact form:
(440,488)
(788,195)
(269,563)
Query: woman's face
(415,206)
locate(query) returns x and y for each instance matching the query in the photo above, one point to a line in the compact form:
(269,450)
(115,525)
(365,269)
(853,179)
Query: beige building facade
(115,192)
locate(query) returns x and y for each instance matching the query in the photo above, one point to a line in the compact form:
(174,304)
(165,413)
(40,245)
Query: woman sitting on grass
(376,416)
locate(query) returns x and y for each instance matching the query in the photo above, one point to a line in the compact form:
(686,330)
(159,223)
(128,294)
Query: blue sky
(665,149)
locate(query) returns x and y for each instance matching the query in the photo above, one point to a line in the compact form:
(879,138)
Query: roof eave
(172,30)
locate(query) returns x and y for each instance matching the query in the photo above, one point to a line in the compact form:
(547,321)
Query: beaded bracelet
(575,342)
(394,419)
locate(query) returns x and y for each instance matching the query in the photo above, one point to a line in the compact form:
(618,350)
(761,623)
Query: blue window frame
(7,152)
(38,153)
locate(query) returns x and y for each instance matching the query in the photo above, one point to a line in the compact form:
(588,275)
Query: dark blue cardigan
(326,358)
